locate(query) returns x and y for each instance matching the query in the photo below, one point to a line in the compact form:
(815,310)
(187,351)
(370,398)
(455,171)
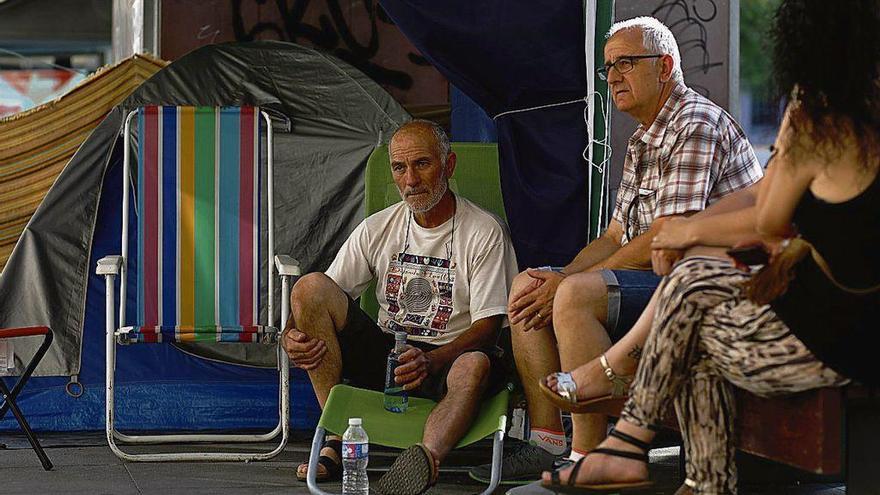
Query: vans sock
(551,441)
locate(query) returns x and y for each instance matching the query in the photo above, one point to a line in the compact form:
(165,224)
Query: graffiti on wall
(357,31)
(689,21)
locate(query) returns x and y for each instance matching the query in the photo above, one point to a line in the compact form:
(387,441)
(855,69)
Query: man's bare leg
(624,355)
(536,356)
(450,420)
(579,316)
(319,309)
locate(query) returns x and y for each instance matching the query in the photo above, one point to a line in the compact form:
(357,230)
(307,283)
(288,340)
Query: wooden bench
(828,431)
(823,431)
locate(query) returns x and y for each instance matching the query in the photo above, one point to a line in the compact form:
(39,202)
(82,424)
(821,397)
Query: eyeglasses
(622,65)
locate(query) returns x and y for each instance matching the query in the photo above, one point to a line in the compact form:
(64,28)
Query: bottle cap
(354,421)
(400,337)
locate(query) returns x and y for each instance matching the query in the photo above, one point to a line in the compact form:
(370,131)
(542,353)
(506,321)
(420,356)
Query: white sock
(575,456)
(551,441)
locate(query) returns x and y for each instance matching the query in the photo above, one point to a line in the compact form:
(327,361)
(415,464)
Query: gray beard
(434,200)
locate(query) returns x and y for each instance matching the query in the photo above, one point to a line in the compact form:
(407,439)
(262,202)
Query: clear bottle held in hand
(396,398)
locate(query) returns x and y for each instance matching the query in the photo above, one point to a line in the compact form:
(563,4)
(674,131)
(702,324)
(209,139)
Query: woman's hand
(676,233)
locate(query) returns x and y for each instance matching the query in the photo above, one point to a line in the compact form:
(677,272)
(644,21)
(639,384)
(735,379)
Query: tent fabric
(327,116)
(513,56)
(39,142)
(336,116)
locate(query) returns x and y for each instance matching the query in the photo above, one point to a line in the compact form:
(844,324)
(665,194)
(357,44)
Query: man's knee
(520,282)
(470,370)
(317,294)
(311,287)
(582,292)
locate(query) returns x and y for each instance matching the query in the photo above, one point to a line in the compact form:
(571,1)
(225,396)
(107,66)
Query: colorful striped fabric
(198,224)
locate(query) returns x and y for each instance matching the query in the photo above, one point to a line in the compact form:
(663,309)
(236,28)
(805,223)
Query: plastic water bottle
(396,398)
(355,456)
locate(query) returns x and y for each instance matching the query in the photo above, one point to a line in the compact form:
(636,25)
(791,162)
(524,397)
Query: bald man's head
(421,164)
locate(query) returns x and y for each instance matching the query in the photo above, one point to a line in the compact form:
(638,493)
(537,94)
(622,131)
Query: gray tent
(327,117)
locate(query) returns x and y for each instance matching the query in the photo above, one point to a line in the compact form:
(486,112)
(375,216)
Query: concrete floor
(85,465)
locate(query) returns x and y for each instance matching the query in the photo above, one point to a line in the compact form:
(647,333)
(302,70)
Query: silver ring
(539,316)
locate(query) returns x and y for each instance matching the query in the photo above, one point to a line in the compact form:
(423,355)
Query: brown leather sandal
(565,397)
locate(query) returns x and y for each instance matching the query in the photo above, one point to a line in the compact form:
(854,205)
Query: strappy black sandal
(597,488)
(332,468)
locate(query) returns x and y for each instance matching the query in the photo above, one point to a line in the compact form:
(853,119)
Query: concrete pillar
(135,28)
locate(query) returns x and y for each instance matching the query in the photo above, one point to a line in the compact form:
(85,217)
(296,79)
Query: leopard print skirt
(707,338)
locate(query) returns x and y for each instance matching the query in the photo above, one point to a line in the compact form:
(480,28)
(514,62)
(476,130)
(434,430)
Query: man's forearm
(595,252)
(634,255)
(482,334)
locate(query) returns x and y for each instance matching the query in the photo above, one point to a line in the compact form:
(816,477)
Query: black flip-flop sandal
(411,474)
(603,488)
(332,468)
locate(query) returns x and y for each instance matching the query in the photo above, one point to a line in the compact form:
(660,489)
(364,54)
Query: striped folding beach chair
(198,204)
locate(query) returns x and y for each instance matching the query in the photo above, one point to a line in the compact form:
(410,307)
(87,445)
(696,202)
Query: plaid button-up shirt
(692,154)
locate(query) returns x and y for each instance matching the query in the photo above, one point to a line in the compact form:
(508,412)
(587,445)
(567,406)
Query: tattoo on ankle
(636,352)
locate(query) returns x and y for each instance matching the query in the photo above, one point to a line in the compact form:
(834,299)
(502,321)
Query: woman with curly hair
(807,318)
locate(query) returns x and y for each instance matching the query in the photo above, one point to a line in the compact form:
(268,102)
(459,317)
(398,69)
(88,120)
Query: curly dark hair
(827,56)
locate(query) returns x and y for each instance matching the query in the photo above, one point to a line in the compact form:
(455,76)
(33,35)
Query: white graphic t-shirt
(433,283)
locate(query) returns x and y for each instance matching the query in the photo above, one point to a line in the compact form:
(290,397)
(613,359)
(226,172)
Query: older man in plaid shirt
(686,154)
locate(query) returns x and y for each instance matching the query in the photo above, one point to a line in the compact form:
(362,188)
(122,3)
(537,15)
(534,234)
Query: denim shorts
(628,293)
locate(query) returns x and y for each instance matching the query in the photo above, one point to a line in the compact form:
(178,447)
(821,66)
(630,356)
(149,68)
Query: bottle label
(355,450)
(390,385)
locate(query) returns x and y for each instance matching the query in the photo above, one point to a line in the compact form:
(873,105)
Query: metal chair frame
(9,396)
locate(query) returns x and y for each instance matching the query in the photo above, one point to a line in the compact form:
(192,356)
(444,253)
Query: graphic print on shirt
(419,294)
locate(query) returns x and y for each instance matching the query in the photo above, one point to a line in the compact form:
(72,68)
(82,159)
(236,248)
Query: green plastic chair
(476,178)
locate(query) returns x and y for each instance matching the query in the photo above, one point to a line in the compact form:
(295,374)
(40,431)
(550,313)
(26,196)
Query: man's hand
(663,259)
(534,304)
(413,368)
(305,352)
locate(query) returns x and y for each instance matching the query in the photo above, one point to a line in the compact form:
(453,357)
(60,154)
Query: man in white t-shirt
(444,267)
